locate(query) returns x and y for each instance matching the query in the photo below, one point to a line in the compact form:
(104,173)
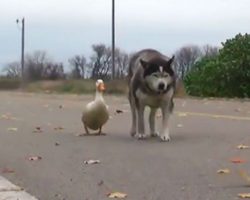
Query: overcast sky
(65,28)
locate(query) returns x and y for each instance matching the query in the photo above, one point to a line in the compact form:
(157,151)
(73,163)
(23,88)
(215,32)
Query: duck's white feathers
(95,114)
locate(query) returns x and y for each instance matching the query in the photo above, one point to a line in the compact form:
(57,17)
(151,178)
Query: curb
(12,192)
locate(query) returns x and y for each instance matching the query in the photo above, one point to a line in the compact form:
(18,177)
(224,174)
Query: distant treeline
(40,66)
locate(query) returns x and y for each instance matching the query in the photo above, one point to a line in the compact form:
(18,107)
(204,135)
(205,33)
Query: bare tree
(185,59)
(35,64)
(39,65)
(13,70)
(78,64)
(210,51)
(122,61)
(100,62)
(53,71)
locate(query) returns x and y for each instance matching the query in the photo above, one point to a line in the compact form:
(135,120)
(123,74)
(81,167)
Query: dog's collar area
(148,90)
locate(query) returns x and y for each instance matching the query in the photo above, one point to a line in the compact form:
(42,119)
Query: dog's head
(158,74)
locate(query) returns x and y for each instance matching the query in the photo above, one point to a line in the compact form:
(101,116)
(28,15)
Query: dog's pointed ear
(144,64)
(170,61)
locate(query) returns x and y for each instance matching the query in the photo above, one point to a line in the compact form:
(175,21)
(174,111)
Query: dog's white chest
(148,100)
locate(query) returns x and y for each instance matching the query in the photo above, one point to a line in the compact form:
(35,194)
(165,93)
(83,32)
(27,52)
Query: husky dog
(151,83)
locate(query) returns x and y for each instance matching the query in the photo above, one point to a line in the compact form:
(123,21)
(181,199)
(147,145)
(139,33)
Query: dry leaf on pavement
(57,143)
(179,125)
(7,171)
(7,117)
(244,195)
(223,171)
(12,129)
(38,129)
(34,158)
(91,162)
(242,146)
(118,111)
(237,109)
(182,114)
(61,106)
(117,195)
(59,128)
(100,183)
(237,160)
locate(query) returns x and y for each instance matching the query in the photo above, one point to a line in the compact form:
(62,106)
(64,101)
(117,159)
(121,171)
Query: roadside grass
(9,84)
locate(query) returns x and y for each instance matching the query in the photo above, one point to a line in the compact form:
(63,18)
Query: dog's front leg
(164,135)
(140,122)
(133,112)
(153,133)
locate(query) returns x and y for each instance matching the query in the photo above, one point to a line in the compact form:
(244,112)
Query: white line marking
(214,116)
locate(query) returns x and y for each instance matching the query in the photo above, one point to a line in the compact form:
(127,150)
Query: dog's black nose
(161,86)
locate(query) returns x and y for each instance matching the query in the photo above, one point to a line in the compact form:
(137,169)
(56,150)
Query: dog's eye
(166,75)
(155,75)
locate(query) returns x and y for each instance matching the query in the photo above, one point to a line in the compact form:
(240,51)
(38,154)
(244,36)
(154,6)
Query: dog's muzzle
(161,86)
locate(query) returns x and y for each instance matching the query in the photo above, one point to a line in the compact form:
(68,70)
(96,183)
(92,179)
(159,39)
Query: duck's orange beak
(101,87)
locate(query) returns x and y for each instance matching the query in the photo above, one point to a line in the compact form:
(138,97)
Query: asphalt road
(205,134)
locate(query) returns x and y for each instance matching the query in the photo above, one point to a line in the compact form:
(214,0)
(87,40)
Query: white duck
(95,113)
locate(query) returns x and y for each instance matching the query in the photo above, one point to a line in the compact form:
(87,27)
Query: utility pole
(22,46)
(22,53)
(113,39)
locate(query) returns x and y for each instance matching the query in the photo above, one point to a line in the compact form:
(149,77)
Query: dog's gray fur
(151,83)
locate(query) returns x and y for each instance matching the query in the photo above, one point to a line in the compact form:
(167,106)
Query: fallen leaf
(59,128)
(244,195)
(238,160)
(7,171)
(12,129)
(34,158)
(119,111)
(223,171)
(179,125)
(38,129)
(242,146)
(57,144)
(61,106)
(238,110)
(182,114)
(245,176)
(117,195)
(91,162)
(100,183)
(7,117)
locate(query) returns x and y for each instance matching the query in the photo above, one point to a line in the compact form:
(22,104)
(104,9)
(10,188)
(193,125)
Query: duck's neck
(99,96)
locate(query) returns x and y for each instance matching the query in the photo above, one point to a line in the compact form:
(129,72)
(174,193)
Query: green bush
(225,75)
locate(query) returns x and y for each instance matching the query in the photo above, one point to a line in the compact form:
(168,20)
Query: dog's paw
(165,138)
(141,136)
(154,134)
